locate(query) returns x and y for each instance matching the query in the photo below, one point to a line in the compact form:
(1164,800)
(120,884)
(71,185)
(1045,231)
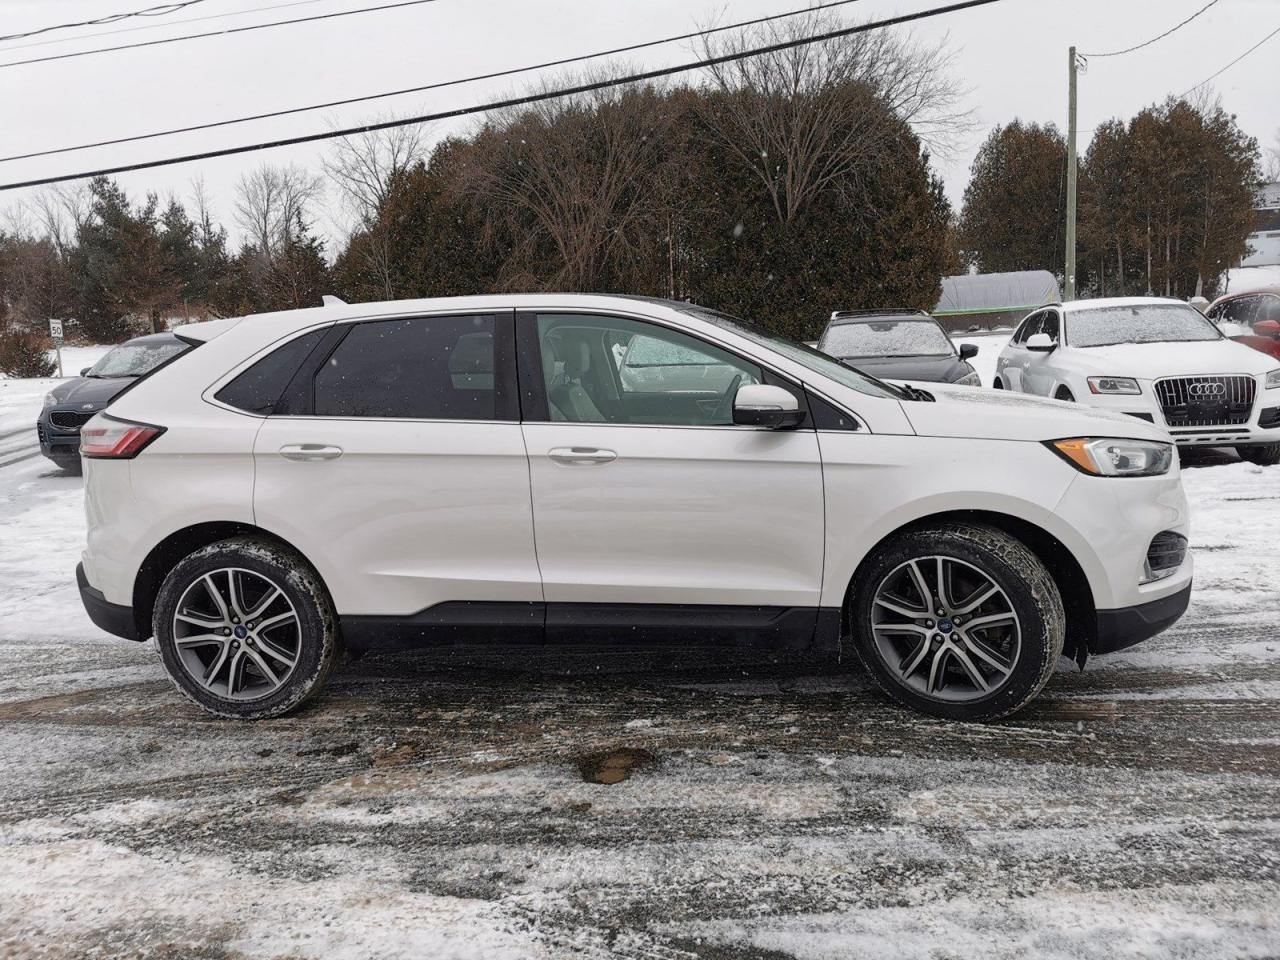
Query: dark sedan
(898,345)
(70,405)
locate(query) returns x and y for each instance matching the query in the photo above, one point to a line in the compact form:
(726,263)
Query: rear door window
(422,368)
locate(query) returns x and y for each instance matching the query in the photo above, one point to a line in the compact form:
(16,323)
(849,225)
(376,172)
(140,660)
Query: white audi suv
(519,471)
(1155,359)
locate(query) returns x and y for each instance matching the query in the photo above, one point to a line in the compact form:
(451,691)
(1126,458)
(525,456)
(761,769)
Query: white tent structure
(994,299)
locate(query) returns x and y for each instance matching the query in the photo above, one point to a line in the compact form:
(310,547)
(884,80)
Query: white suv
(494,470)
(1154,359)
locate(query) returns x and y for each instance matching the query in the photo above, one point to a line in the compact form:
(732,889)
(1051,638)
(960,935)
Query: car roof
(1097,303)
(334,310)
(147,338)
(1253,292)
(841,317)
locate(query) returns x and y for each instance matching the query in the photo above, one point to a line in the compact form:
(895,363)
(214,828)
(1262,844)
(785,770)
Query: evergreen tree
(1014,207)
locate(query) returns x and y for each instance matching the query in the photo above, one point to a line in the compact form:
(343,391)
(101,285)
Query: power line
(1232,63)
(513,101)
(159,11)
(170,23)
(216,33)
(1117,53)
(430,86)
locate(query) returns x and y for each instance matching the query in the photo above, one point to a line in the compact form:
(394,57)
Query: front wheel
(1263,454)
(959,620)
(246,629)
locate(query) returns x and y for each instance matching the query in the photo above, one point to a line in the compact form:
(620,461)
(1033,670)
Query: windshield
(917,337)
(135,359)
(800,353)
(1144,323)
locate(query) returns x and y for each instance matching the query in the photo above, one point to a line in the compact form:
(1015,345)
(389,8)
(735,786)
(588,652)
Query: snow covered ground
(432,807)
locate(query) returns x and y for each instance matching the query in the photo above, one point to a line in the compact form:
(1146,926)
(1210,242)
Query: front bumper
(1125,626)
(111,617)
(57,443)
(1262,426)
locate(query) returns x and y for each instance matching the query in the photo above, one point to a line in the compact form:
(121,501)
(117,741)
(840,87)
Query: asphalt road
(752,800)
(588,806)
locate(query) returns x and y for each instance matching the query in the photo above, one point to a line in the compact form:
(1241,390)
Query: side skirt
(811,630)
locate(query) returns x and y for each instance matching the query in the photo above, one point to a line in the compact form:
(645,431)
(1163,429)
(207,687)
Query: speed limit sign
(55,329)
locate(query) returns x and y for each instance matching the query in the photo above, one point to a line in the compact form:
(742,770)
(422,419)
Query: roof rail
(888,312)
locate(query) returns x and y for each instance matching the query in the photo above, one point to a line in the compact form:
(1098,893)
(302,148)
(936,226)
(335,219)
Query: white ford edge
(1154,359)
(550,469)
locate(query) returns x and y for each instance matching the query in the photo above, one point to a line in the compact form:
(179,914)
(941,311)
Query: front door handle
(310,451)
(581,455)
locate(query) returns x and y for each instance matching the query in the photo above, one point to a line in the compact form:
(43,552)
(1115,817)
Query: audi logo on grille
(1207,390)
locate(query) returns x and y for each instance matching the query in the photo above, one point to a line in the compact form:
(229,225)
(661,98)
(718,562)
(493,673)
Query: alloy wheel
(237,634)
(946,628)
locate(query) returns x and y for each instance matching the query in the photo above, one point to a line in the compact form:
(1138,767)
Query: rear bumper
(1125,626)
(111,617)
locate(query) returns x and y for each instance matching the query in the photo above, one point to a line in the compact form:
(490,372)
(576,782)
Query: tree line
(1165,201)
(778,187)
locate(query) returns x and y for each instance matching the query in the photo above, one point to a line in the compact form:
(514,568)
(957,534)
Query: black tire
(71,468)
(1263,454)
(1064,394)
(1007,563)
(997,384)
(314,645)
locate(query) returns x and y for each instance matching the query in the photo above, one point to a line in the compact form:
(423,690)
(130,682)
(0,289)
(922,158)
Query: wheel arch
(166,554)
(1064,568)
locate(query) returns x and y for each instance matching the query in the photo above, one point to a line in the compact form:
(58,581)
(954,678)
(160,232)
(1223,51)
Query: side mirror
(1041,343)
(763,405)
(85,371)
(1267,328)
(968,350)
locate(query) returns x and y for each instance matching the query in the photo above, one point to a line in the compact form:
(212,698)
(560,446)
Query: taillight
(106,438)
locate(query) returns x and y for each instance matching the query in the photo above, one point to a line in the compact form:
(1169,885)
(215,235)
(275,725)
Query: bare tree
(1271,170)
(63,209)
(363,168)
(575,173)
(813,116)
(272,201)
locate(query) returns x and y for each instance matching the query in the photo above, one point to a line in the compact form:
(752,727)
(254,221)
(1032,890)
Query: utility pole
(1069,291)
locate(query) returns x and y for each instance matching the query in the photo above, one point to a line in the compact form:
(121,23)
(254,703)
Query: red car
(1236,314)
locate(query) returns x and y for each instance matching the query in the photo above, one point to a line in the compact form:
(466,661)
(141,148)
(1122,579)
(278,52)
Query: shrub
(25,355)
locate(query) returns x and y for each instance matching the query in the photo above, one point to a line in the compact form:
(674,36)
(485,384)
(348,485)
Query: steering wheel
(724,409)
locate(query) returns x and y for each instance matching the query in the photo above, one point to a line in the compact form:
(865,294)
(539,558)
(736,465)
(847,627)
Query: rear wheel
(1263,454)
(246,629)
(960,621)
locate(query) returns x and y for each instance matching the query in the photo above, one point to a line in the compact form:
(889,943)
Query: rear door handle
(581,455)
(310,451)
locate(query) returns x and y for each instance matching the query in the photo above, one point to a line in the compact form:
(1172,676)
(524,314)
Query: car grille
(1206,401)
(69,419)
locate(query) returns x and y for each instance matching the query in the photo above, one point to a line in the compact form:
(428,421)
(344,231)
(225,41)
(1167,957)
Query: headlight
(969,380)
(1108,457)
(1273,379)
(50,399)
(1114,385)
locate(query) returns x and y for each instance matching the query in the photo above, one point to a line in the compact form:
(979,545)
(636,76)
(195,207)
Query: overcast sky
(1011,55)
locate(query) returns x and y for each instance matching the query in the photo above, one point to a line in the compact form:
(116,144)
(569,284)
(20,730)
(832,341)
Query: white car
(1154,359)
(478,470)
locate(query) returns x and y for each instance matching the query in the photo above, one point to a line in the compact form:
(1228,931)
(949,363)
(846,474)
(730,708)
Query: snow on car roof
(1098,303)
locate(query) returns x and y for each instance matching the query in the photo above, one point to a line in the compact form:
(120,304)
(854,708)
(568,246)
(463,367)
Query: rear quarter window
(258,389)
